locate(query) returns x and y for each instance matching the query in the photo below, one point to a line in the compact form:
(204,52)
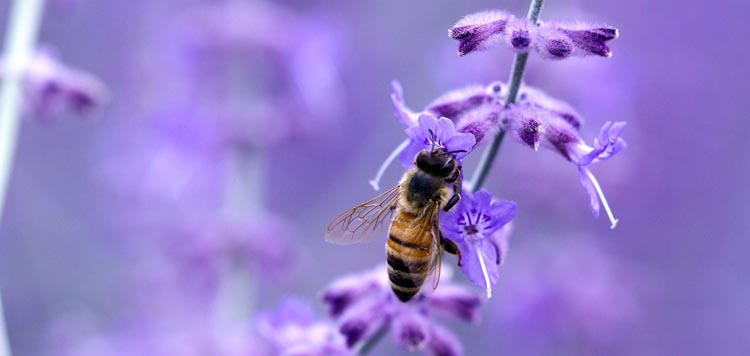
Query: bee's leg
(450,247)
(457,189)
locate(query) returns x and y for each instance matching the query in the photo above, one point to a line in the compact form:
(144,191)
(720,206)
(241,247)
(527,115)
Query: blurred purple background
(95,203)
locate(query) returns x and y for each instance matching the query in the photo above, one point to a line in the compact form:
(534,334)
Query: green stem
(20,39)
(514,86)
(368,345)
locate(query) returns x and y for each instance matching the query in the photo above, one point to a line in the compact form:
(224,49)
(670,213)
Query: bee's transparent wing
(360,223)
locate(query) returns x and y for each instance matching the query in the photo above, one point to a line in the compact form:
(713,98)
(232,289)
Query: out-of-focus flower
(52,88)
(475,225)
(568,293)
(364,304)
(433,133)
(186,335)
(293,330)
(287,79)
(485,29)
(259,242)
(443,343)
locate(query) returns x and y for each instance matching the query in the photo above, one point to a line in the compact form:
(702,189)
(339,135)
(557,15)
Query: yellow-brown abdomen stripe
(409,254)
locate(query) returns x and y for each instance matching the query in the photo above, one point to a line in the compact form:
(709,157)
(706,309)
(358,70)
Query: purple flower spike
(455,103)
(481,122)
(411,330)
(445,136)
(525,124)
(550,43)
(558,41)
(540,99)
(294,330)
(470,225)
(591,39)
(553,41)
(518,35)
(362,320)
(444,343)
(412,324)
(341,294)
(606,145)
(479,31)
(52,88)
(457,302)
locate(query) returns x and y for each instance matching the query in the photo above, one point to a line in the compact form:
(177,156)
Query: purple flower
(432,133)
(471,225)
(295,88)
(51,88)
(293,330)
(538,120)
(370,306)
(589,39)
(443,343)
(479,31)
(485,29)
(456,103)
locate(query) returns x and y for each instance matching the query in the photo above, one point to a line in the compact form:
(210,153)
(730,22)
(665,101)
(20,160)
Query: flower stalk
(20,40)
(514,86)
(370,344)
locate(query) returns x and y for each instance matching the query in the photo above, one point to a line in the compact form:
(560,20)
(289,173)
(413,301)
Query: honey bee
(415,244)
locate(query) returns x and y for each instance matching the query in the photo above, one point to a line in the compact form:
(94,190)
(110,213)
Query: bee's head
(437,160)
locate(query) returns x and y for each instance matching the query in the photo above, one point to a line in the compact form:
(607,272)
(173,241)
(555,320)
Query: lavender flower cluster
(483,30)
(363,309)
(221,254)
(51,88)
(459,121)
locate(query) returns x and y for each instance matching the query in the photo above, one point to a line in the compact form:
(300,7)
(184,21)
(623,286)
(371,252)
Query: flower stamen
(600,193)
(484,272)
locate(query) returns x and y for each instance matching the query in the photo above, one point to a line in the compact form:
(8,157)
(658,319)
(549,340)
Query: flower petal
(443,343)
(502,212)
(411,330)
(479,31)
(590,190)
(404,115)
(472,267)
(456,301)
(460,142)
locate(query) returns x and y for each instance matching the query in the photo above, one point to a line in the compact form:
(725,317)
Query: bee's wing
(360,223)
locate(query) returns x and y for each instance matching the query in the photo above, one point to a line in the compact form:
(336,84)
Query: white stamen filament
(599,192)
(375,182)
(484,272)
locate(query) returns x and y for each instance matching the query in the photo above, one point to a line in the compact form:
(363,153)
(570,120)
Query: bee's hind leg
(450,247)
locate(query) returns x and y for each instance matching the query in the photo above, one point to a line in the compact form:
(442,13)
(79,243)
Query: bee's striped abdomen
(409,254)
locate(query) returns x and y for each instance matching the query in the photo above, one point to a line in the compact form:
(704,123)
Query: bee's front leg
(457,189)
(450,247)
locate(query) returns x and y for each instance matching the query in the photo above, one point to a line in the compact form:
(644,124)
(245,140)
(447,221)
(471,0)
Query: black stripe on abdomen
(407,244)
(405,282)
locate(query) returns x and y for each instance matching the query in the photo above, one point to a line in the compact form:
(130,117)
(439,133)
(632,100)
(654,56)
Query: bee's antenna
(456,151)
(432,139)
